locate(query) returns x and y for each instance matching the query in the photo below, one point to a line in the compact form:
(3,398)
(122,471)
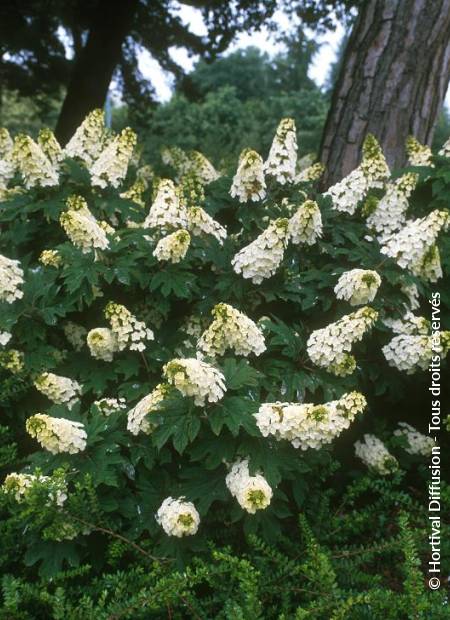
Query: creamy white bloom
(375,455)
(445,150)
(60,390)
(5,337)
(81,226)
(11,278)
(107,406)
(7,165)
(412,293)
(311,173)
(249,182)
(283,152)
(192,377)
(408,324)
(34,166)
(201,223)
(418,154)
(167,211)
(305,226)
(57,434)
(358,286)
(231,329)
(135,192)
(50,147)
(173,247)
(129,332)
(330,346)
(139,416)
(75,334)
(50,258)
(19,485)
(102,343)
(12,360)
(89,139)
(178,517)
(177,158)
(252,492)
(261,258)
(389,214)
(417,443)
(202,167)
(112,164)
(413,352)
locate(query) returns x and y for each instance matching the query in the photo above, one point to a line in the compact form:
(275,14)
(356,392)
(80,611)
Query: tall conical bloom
(389,214)
(50,146)
(89,139)
(139,417)
(166,212)
(174,247)
(11,278)
(81,226)
(305,226)
(7,165)
(375,455)
(130,333)
(60,390)
(249,182)
(57,434)
(33,164)
(418,154)
(112,164)
(283,152)
(201,223)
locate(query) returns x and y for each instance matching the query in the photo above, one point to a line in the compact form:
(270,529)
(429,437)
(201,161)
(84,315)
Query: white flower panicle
(112,165)
(5,337)
(139,416)
(330,346)
(129,332)
(108,406)
(177,158)
(283,153)
(231,329)
(34,166)
(418,154)
(6,143)
(89,139)
(202,168)
(411,352)
(178,517)
(249,182)
(57,434)
(11,279)
(375,455)
(50,258)
(252,492)
(358,286)
(12,360)
(389,214)
(305,226)
(444,152)
(102,343)
(192,377)
(261,258)
(7,165)
(201,223)
(60,390)
(81,226)
(167,211)
(50,147)
(311,173)
(306,425)
(19,485)
(174,247)
(408,324)
(416,443)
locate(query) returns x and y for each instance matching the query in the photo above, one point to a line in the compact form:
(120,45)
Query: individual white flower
(102,343)
(375,455)
(57,434)
(11,278)
(173,247)
(192,377)
(283,152)
(418,154)
(107,406)
(252,492)
(231,329)
(311,173)
(50,258)
(389,214)
(5,337)
(358,286)
(330,346)
(261,258)
(139,416)
(50,147)
(305,226)
(34,166)
(129,332)
(89,139)
(112,164)
(75,334)
(81,226)
(178,517)
(19,485)
(417,443)
(248,182)
(60,390)
(166,212)
(201,223)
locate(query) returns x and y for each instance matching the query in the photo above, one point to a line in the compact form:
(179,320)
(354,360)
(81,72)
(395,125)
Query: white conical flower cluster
(348,193)
(305,226)
(418,154)
(410,352)
(201,223)
(330,346)
(413,247)
(108,406)
(102,343)
(129,332)
(89,139)
(389,214)
(375,455)
(167,211)
(50,147)
(57,434)
(173,247)
(231,329)
(5,337)
(416,443)
(177,158)
(139,416)
(11,278)
(311,173)
(50,258)
(81,226)
(7,165)
(60,390)
(283,153)
(261,258)
(249,182)
(34,166)
(192,377)
(75,334)
(252,492)
(112,164)
(358,286)
(408,324)
(19,485)
(178,517)
(202,168)
(306,425)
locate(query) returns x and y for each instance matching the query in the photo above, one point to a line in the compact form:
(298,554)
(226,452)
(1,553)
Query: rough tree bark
(392,82)
(94,67)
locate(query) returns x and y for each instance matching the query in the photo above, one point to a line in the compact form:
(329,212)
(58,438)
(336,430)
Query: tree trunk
(94,67)
(392,82)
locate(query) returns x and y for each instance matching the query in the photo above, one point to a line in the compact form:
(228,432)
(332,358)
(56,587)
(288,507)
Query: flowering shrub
(191,335)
